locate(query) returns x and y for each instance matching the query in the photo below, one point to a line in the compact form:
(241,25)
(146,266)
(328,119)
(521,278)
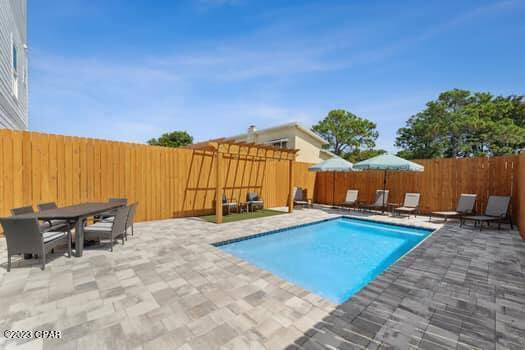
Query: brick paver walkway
(169,288)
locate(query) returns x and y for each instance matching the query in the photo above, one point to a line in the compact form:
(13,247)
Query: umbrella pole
(333,189)
(384,189)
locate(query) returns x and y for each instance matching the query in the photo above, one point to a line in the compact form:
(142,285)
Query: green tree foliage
(360,155)
(172,139)
(346,133)
(464,124)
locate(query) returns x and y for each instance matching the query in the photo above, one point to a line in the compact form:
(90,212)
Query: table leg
(79,237)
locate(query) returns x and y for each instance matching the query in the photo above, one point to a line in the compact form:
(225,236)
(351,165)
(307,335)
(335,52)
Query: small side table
(243,207)
(391,206)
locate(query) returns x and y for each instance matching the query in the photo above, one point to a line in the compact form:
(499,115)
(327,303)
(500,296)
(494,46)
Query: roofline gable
(285,126)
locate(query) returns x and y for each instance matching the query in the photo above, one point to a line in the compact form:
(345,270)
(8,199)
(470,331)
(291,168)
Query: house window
(14,68)
(281,143)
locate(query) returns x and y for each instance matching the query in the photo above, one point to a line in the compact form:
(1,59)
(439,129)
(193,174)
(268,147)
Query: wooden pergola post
(290,185)
(219,188)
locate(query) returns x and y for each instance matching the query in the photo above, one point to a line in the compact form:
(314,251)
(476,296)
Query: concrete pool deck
(168,287)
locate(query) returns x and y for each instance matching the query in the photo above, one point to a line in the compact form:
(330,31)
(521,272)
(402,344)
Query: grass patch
(261,213)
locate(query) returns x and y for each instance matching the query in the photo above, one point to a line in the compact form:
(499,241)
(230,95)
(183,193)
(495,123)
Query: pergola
(223,147)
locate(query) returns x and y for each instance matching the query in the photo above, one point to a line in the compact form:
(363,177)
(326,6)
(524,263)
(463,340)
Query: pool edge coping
(343,216)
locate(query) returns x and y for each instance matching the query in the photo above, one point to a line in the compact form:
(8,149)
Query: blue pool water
(334,258)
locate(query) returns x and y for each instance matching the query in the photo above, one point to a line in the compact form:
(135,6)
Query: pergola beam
(225,146)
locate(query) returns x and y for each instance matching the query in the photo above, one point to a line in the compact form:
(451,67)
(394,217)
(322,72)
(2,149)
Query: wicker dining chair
(23,236)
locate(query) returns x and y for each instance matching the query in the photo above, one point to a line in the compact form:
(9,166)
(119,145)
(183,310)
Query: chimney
(251,133)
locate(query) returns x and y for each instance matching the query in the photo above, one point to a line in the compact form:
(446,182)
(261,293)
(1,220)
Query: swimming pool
(332,258)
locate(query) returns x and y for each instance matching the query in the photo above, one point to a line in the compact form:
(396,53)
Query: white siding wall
(13,26)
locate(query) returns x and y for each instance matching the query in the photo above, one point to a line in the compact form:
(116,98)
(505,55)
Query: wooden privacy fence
(167,182)
(440,184)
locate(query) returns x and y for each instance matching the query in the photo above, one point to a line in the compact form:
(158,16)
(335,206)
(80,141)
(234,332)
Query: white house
(290,135)
(13,64)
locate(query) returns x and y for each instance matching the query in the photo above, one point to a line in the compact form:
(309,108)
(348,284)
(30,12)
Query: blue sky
(131,70)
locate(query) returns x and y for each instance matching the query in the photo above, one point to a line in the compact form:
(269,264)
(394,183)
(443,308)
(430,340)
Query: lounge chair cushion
(98,227)
(482,218)
(407,209)
(252,197)
(51,236)
(58,225)
(101,224)
(497,206)
(446,213)
(411,200)
(59,222)
(466,203)
(298,194)
(255,202)
(351,196)
(225,200)
(44,226)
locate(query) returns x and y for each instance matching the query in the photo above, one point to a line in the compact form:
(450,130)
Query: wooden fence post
(219,189)
(521,194)
(290,185)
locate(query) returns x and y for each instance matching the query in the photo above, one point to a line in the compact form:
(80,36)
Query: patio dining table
(77,214)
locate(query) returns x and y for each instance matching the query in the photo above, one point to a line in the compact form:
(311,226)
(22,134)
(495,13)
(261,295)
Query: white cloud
(136,101)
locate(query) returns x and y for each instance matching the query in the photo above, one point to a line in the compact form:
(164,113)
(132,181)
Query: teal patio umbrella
(333,165)
(388,162)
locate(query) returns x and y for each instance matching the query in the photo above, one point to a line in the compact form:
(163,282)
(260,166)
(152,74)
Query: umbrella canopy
(388,162)
(335,164)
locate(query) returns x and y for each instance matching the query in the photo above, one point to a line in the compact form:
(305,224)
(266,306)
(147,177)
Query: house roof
(332,154)
(285,126)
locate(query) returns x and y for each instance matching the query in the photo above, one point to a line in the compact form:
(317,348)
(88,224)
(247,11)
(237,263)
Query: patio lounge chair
(254,201)
(380,202)
(496,211)
(410,205)
(228,205)
(115,229)
(299,197)
(23,236)
(465,207)
(351,199)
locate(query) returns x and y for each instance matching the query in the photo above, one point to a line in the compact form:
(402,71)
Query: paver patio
(169,288)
